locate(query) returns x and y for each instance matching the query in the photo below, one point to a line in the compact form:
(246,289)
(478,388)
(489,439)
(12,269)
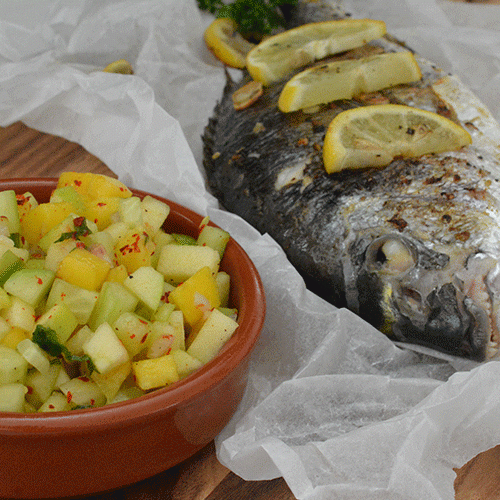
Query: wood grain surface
(25,152)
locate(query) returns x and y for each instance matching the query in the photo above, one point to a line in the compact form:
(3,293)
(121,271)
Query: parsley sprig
(253,17)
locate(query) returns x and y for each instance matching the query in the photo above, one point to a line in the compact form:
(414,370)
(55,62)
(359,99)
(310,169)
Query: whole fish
(414,247)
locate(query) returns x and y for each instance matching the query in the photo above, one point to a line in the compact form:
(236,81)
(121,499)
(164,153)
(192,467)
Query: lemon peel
(278,55)
(372,136)
(223,39)
(348,78)
(121,66)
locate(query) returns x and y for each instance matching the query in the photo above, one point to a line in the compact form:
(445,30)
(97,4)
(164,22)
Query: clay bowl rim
(149,406)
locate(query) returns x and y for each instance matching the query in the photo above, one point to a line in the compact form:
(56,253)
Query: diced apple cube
(215,332)
(155,373)
(105,349)
(177,263)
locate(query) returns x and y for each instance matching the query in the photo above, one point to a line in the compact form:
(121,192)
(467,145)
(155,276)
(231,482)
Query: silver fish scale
(441,211)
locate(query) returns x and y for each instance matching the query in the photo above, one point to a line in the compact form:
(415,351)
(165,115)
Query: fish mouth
(449,303)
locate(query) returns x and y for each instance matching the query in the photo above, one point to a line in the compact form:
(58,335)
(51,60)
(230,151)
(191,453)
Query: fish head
(442,293)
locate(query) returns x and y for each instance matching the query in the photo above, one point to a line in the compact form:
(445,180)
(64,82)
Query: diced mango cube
(196,296)
(43,218)
(117,274)
(83,269)
(155,372)
(100,210)
(134,250)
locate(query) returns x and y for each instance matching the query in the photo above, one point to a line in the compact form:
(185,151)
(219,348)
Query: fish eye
(390,255)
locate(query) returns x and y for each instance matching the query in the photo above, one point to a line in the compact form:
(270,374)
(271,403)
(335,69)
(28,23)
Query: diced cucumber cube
(8,209)
(13,367)
(114,299)
(12,397)
(30,285)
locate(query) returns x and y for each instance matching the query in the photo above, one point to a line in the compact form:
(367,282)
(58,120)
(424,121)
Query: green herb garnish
(253,17)
(46,338)
(81,229)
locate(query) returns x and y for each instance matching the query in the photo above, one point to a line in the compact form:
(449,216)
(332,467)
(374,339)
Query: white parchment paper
(332,405)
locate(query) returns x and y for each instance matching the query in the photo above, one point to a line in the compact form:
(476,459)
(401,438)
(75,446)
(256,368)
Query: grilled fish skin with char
(413,248)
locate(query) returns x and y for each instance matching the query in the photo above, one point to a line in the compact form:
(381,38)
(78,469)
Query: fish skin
(440,212)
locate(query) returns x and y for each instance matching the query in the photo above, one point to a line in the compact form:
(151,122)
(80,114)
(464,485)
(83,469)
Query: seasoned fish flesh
(414,247)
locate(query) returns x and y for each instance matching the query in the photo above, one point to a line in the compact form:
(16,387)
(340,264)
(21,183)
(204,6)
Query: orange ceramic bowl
(82,452)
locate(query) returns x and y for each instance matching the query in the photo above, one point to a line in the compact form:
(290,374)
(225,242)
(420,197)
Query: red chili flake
(23,240)
(69,397)
(78,221)
(92,401)
(30,389)
(145,336)
(21,199)
(143,322)
(84,379)
(51,406)
(39,281)
(80,244)
(121,189)
(164,297)
(169,350)
(132,336)
(95,221)
(63,295)
(77,183)
(101,204)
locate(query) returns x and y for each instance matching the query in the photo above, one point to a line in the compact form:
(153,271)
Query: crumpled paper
(332,405)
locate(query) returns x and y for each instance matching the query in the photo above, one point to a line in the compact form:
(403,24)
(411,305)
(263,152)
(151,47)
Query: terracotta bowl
(81,452)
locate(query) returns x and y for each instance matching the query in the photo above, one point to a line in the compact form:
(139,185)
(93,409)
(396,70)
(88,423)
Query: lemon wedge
(121,66)
(346,79)
(278,55)
(226,43)
(372,136)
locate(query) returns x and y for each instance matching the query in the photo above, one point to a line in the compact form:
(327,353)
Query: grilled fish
(413,248)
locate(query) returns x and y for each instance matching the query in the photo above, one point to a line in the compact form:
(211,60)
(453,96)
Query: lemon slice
(278,55)
(372,136)
(121,66)
(346,79)
(226,43)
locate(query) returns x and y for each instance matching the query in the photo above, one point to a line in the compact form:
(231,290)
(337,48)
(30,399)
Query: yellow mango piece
(134,250)
(155,372)
(196,296)
(94,185)
(117,274)
(14,336)
(79,181)
(81,268)
(105,186)
(100,210)
(39,221)
(25,203)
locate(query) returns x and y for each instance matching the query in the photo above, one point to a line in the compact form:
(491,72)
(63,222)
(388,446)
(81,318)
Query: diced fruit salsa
(98,303)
